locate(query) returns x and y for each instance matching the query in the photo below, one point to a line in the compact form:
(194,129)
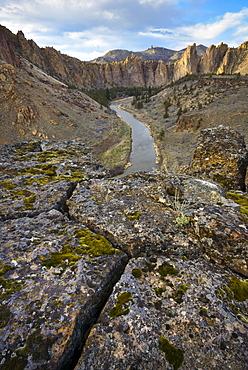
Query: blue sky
(86,29)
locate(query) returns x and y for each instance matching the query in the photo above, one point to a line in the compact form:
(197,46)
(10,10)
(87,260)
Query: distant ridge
(152,53)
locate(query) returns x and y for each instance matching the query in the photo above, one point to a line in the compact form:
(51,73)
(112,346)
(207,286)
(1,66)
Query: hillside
(34,105)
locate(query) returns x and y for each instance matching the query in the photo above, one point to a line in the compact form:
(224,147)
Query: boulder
(221,156)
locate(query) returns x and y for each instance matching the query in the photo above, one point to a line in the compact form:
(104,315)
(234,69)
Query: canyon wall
(130,72)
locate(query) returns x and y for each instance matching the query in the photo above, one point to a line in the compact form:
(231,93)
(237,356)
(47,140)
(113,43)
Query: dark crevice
(89,316)
(61,205)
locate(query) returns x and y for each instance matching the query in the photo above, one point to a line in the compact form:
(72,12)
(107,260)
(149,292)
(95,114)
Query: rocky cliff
(133,71)
(143,272)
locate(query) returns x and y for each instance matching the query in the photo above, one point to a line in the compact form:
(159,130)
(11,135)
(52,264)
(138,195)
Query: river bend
(143,155)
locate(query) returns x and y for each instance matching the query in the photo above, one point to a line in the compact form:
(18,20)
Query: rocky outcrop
(133,71)
(234,62)
(221,155)
(68,231)
(210,62)
(7,52)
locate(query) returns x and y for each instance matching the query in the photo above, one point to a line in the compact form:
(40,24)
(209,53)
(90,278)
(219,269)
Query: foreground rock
(55,275)
(68,231)
(169,314)
(55,278)
(166,214)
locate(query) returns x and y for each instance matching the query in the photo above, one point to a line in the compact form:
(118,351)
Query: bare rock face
(211,61)
(189,122)
(221,155)
(235,61)
(7,53)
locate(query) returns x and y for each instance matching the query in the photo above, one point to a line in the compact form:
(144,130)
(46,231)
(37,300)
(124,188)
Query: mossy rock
(239,199)
(173,354)
(7,185)
(8,286)
(5,314)
(88,243)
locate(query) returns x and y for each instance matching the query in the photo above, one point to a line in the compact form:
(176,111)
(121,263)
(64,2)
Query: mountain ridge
(130,72)
(153,53)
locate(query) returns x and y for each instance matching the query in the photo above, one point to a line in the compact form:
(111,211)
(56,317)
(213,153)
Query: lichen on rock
(68,231)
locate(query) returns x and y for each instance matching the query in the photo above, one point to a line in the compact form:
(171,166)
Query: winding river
(143,155)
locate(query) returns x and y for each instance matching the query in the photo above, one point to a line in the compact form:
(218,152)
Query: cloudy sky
(89,28)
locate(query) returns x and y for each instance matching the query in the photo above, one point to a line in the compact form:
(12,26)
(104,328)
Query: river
(143,155)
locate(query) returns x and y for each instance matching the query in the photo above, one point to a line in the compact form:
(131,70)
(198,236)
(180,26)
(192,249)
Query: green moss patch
(178,296)
(121,307)
(239,288)
(88,243)
(167,269)
(8,286)
(239,199)
(159,291)
(137,272)
(172,354)
(19,193)
(62,259)
(133,215)
(29,202)
(92,244)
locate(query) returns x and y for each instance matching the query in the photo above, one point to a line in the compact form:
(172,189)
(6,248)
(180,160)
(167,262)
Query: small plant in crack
(179,205)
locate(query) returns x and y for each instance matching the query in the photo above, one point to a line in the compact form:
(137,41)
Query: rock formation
(153,53)
(221,156)
(131,72)
(69,232)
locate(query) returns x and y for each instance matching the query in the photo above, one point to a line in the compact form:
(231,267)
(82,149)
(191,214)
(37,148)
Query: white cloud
(84,28)
(202,32)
